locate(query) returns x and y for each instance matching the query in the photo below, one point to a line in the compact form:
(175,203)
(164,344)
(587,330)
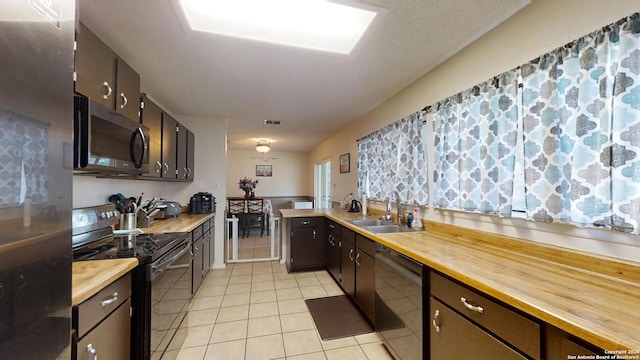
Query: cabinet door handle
(476,308)
(351,254)
(125,101)
(92,352)
(436,321)
(357,259)
(109,301)
(108,88)
(314,233)
(165,168)
(158,166)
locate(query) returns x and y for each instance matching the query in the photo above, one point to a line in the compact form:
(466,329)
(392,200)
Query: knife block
(145,221)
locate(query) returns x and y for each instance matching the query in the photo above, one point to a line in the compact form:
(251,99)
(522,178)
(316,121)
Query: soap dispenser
(417,223)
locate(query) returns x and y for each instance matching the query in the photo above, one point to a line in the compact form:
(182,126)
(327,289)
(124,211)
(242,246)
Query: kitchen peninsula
(591,299)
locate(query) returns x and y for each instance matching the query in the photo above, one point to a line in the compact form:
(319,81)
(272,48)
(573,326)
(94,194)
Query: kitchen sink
(366,222)
(387,229)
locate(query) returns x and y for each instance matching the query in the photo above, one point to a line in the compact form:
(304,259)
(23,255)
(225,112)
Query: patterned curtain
(581,118)
(394,158)
(475,142)
(24,150)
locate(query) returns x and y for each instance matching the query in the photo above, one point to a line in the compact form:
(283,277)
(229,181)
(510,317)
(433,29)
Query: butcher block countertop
(593,297)
(91,276)
(183,223)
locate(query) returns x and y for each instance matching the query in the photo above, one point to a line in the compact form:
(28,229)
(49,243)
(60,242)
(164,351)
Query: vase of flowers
(248,186)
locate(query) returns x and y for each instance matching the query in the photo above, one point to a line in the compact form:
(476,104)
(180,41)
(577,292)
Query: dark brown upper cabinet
(151,117)
(104,77)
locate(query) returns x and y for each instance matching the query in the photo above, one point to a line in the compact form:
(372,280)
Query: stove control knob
(102,215)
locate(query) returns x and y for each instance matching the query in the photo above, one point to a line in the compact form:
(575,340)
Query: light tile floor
(257,311)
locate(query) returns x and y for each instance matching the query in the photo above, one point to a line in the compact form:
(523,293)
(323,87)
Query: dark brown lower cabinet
(562,346)
(102,323)
(455,337)
(109,340)
(332,254)
(365,277)
(306,244)
(196,266)
(348,264)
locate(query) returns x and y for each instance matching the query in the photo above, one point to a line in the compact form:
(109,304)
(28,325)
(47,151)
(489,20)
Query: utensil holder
(128,221)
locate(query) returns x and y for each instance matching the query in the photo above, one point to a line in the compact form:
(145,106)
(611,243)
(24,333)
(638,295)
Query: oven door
(170,293)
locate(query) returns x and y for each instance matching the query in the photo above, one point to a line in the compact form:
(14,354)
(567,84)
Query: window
(394,159)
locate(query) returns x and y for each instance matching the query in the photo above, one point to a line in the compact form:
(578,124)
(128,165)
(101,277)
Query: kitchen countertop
(182,223)
(593,297)
(91,276)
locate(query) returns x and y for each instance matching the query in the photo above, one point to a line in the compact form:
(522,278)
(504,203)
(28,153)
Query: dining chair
(255,215)
(237,207)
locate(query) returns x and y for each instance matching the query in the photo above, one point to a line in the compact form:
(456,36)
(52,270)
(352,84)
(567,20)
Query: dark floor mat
(337,317)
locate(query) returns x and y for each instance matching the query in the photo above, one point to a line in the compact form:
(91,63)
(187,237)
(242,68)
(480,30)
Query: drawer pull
(92,351)
(110,301)
(305,222)
(436,321)
(471,307)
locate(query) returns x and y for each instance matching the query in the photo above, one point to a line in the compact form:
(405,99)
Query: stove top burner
(143,246)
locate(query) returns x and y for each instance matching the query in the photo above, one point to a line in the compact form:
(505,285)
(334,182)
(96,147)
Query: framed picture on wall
(345,163)
(264,170)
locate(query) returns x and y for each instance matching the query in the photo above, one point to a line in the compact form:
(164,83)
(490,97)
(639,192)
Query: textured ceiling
(312,93)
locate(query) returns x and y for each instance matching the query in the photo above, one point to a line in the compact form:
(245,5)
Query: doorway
(322,184)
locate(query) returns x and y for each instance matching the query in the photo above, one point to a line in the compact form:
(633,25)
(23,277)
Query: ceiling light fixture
(263,146)
(314,24)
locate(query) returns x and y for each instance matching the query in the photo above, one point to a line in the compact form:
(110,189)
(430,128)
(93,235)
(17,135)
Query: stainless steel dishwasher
(398,284)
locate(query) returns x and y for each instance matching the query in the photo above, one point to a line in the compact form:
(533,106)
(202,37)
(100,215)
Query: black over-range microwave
(106,142)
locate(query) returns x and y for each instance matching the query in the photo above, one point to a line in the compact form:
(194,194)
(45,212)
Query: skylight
(314,24)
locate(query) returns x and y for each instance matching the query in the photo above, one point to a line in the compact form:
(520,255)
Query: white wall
(210,166)
(289,177)
(537,29)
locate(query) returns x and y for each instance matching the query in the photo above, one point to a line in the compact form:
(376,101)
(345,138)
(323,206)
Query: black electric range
(159,254)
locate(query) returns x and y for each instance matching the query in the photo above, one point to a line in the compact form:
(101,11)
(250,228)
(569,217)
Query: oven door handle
(163,265)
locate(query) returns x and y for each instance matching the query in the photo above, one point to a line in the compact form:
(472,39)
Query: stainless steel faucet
(399,209)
